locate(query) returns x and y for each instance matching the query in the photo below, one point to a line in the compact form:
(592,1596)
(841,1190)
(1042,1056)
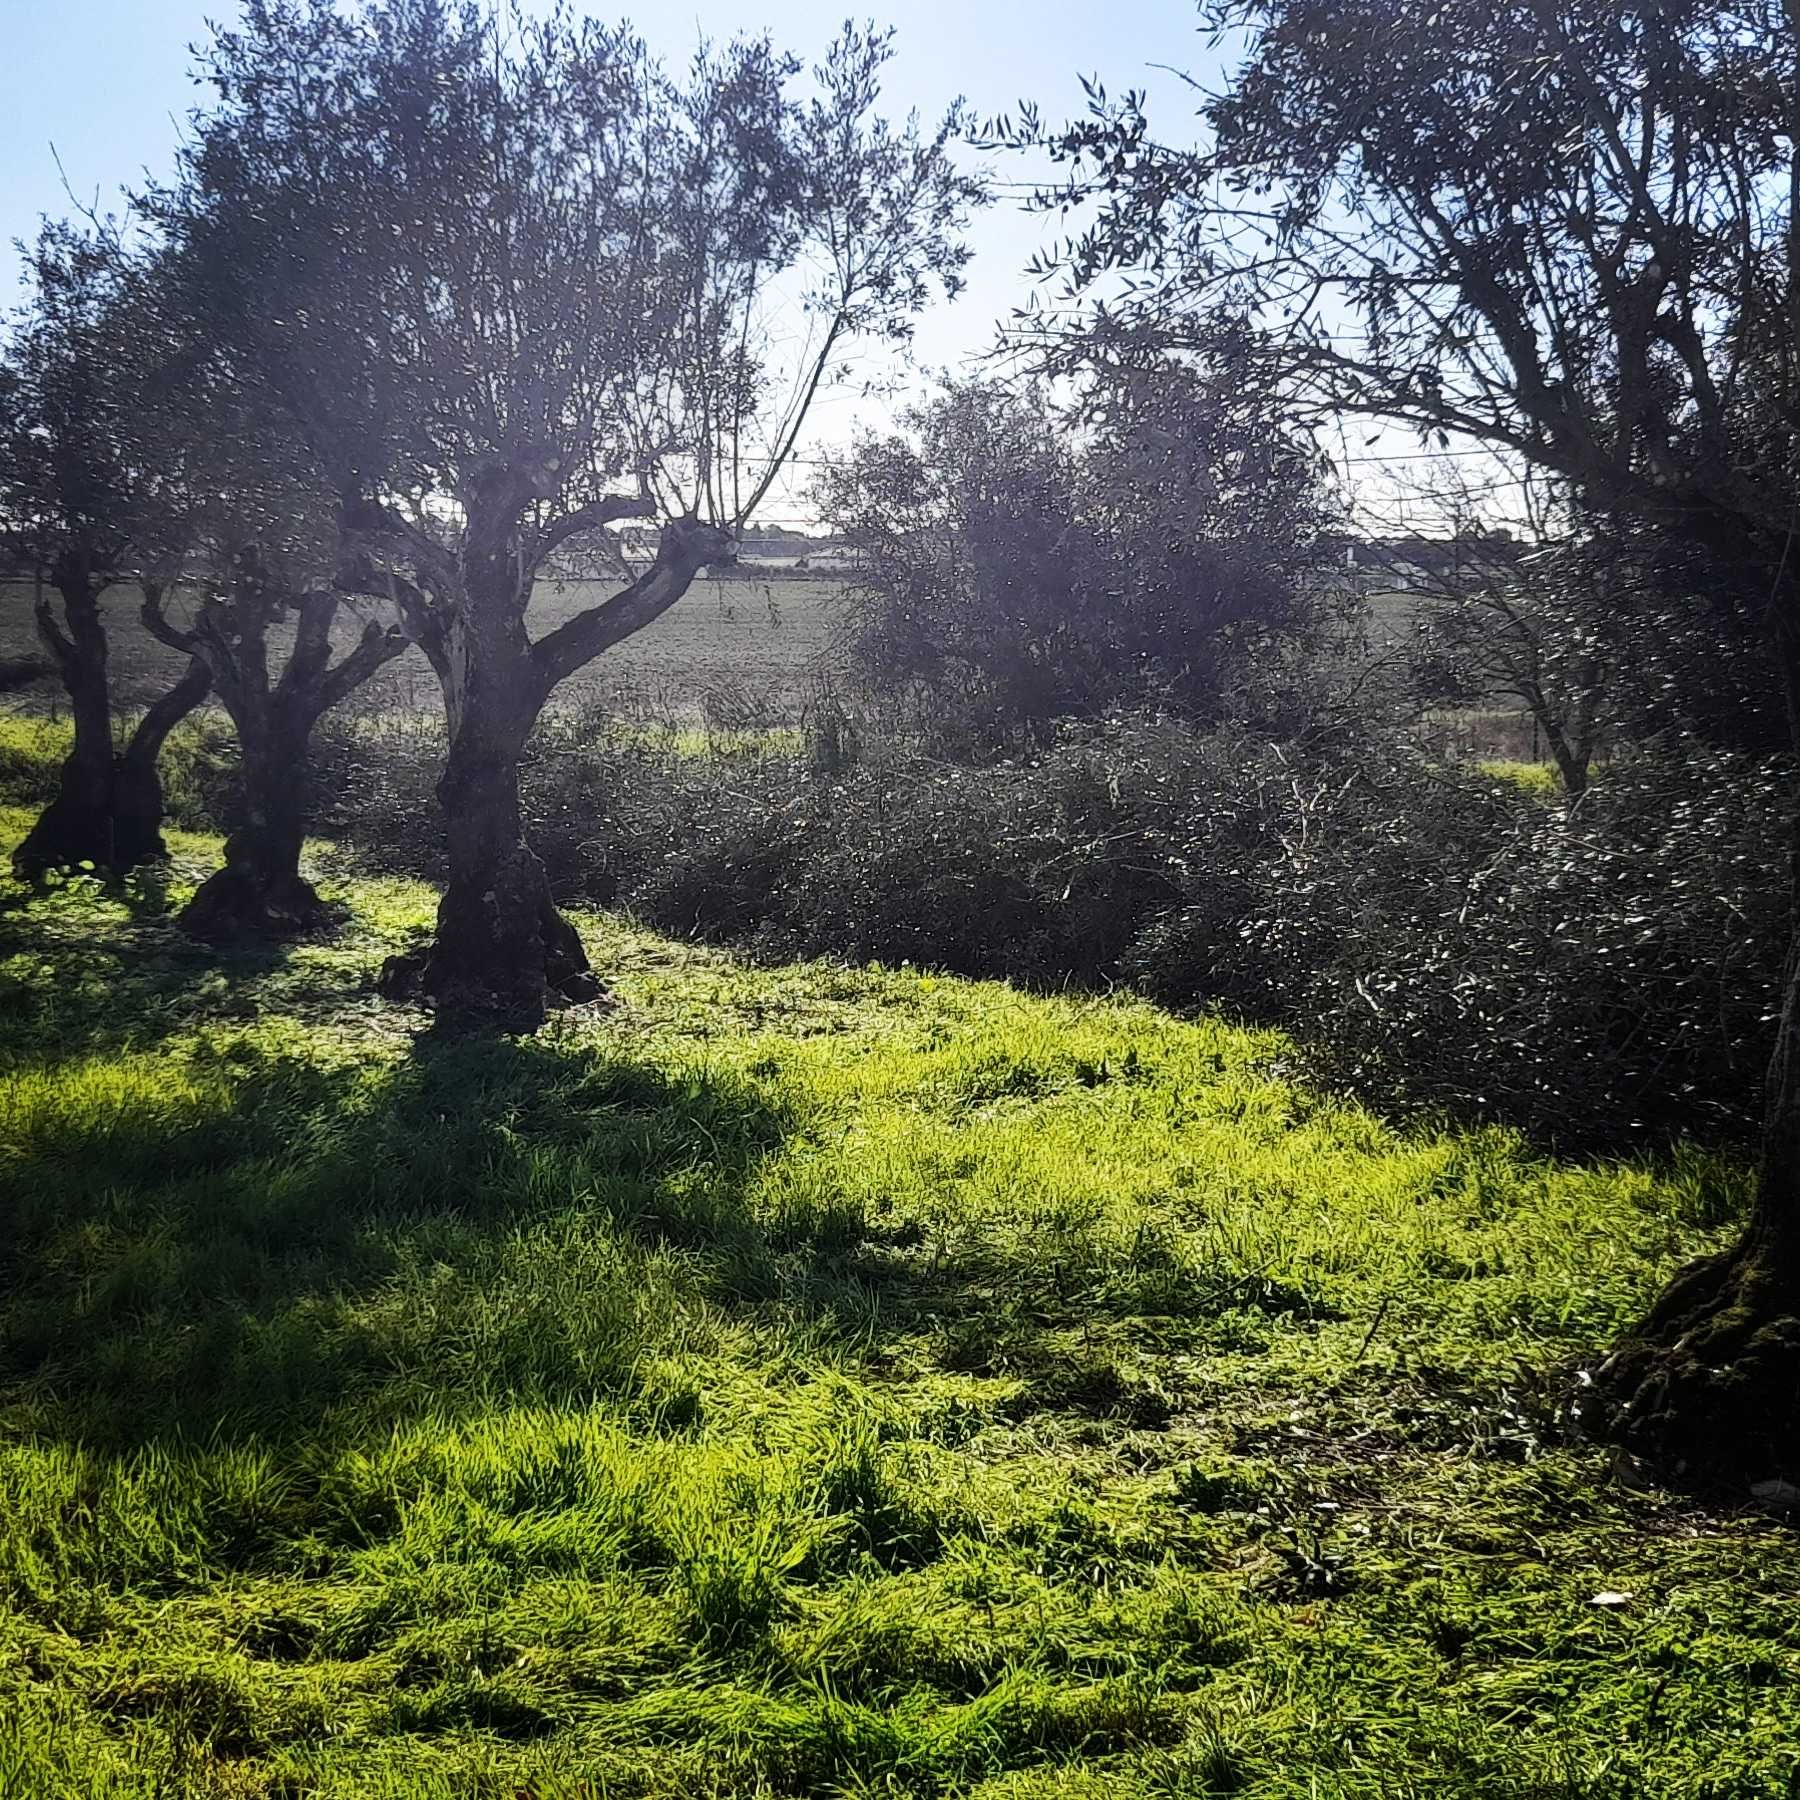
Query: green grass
(810,1381)
(1533,777)
(33,745)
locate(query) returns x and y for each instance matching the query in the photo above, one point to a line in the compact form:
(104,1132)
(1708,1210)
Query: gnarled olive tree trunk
(501,944)
(260,891)
(108,809)
(500,939)
(76,828)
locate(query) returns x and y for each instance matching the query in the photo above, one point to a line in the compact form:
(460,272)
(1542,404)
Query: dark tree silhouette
(82,390)
(1024,560)
(260,891)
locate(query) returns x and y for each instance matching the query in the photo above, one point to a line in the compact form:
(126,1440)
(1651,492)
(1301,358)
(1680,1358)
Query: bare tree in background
(1019,561)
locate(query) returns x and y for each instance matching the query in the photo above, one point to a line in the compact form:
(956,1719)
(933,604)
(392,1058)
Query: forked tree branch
(687,546)
(419,619)
(160,626)
(376,647)
(439,579)
(56,640)
(169,709)
(593,517)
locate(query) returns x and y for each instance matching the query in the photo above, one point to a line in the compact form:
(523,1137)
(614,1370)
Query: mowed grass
(810,1381)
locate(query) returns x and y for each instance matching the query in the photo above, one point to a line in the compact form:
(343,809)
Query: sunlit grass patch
(809,1380)
(704,740)
(32,745)
(1533,777)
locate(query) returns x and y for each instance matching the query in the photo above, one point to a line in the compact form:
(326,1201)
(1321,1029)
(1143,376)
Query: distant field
(743,651)
(736,654)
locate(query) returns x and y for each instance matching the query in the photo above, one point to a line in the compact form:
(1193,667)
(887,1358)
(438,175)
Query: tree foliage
(506,282)
(1022,561)
(92,387)
(1559,228)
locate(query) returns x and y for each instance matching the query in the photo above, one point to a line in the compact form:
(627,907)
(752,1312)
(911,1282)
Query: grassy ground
(1533,777)
(812,1381)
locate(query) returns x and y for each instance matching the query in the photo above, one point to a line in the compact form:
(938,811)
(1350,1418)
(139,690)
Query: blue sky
(107,82)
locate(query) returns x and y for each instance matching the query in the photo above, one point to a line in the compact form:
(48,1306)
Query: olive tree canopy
(510,282)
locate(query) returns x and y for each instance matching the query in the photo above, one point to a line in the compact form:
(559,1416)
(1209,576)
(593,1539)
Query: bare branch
(376,647)
(160,626)
(594,517)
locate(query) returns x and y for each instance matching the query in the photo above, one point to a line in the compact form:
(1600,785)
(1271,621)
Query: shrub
(1434,935)
(1442,938)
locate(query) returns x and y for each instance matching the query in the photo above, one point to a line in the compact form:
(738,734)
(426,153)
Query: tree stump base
(424,978)
(1707,1388)
(67,835)
(233,904)
(501,949)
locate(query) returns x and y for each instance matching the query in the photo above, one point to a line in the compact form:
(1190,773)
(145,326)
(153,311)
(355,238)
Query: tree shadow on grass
(247,1237)
(269,1241)
(77,979)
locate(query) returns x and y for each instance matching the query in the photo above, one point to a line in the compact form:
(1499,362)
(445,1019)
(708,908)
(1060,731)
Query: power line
(1410,456)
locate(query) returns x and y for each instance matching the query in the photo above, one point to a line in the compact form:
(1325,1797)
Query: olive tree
(510,283)
(1565,230)
(85,385)
(267,582)
(1020,559)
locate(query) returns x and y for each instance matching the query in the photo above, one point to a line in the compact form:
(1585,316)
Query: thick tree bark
(137,778)
(1707,1385)
(76,828)
(259,891)
(108,810)
(501,944)
(1571,761)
